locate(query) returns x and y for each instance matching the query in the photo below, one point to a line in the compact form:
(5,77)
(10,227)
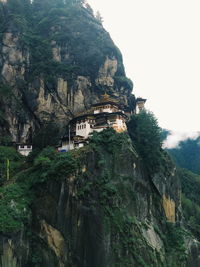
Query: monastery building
(105,114)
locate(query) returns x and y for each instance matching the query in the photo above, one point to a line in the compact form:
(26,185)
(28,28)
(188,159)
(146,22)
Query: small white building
(107,108)
(84,126)
(140,104)
(24,150)
(73,143)
(66,146)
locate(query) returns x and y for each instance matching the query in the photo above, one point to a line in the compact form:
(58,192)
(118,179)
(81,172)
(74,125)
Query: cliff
(115,202)
(55,60)
(96,206)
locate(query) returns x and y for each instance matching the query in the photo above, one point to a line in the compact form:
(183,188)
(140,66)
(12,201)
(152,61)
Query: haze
(160,44)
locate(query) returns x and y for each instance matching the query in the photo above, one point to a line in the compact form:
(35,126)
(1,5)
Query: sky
(160,44)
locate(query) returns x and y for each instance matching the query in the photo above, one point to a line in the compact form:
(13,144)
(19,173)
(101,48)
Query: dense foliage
(191,199)
(14,207)
(48,165)
(187,154)
(69,24)
(146,136)
(19,192)
(10,162)
(103,190)
(187,157)
(49,130)
(111,193)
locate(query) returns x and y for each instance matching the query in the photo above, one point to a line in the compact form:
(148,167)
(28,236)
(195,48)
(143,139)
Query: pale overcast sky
(160,43)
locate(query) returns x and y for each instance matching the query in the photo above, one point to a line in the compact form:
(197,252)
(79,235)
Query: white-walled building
(83,126)
(24,150)
(66,146)
(105,114)
(109,107)
(102,115)
(71,143)
(140,104)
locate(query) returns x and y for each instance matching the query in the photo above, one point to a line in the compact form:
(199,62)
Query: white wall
(98,129)
(66,146)
(24,150)
(139,107)
(119,124)
(83,129)
(80,145)
(106,108)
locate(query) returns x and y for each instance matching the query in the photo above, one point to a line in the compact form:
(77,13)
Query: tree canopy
(187,154)
(146,136)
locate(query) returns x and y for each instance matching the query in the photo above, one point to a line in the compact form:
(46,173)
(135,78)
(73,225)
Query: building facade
(140,104)
(24,150)
(107,113)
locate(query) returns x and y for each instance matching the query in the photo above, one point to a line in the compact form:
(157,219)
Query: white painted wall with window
(83,129)
(107,108)
(25,150)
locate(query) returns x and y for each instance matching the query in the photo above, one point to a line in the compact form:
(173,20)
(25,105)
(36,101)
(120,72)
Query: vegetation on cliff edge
(103,190)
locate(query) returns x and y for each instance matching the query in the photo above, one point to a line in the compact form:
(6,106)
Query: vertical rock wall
(53,66)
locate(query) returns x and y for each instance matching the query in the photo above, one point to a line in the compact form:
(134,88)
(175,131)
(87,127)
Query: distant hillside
(190,183)
(187,154)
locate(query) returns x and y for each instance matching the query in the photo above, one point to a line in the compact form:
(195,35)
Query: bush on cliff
(15,161)
(146,136)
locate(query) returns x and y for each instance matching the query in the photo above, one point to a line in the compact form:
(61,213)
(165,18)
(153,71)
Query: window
(28,146)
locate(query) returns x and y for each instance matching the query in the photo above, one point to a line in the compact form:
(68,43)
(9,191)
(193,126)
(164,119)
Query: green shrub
(15,161)
(175,244)
(187,154)
(14,208)
(48,135)
(146,136)
(50,165)
(122,81)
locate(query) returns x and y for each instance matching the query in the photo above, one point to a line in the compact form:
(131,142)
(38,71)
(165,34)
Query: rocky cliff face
(55,61)
(98,207)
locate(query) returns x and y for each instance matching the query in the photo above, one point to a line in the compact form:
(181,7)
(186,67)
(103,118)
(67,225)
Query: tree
(74,2)
(16,160)
(187,154)
(146,136)
(48,135)
(99,17)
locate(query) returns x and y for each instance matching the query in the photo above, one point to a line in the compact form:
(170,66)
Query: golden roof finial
(108,98)
(105,97)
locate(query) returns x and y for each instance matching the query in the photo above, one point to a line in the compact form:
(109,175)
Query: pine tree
(146,136)
(99,17)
